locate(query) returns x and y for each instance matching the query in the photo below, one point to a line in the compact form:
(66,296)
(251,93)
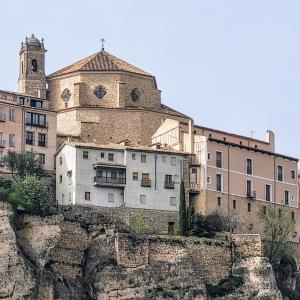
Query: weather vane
(102,42)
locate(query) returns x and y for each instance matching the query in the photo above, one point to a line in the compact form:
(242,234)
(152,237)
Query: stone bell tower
(32,78)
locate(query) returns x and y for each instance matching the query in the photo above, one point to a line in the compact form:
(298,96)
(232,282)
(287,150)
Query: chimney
(270,138)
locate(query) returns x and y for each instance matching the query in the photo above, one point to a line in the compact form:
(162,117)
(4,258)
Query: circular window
(135,95)
(100,92)
(66,95)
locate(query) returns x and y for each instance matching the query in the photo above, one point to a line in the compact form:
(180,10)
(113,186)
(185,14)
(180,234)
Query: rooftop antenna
(252,133)
(102,42)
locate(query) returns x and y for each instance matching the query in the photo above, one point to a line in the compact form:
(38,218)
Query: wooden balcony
(109,181)
(194,188)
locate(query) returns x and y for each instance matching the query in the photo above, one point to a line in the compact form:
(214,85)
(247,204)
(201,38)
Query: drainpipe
(228,182)
(23,135)
(155,169)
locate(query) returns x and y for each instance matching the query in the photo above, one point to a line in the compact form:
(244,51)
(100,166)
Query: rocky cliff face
(82,254)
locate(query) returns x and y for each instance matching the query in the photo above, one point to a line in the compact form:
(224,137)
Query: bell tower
(32,78)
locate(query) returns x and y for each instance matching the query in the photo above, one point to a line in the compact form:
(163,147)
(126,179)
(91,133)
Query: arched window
(34,65)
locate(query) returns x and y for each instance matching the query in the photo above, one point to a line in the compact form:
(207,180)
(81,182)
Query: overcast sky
(231,65)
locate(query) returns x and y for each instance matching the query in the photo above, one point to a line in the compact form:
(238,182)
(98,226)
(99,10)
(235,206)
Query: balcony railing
(37,125)
(249,171)
(194,188)
(109,181)
(251,194)
(169,184)
(146,182)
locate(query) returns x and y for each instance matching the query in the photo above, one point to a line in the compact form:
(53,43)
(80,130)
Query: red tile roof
(100,61)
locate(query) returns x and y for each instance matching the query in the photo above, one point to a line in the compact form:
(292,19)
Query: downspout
(155,170)
(228,183)
(23,136)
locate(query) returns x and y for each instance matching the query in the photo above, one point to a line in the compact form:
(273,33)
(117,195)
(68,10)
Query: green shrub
(140,225)
(4,194)
(33,195)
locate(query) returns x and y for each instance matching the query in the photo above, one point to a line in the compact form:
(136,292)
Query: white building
(115,175)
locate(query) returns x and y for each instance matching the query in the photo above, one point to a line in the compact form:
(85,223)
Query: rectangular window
(1,140)
(11,114)
(208,180)
(1,156)
(143,158)
(21,100)
(173,201)
(194,170)
(34,119)
(60,160)
(249,189)
(102,155)
(29,138)
(249,166)
(293,216)
(268,192)
(249,207)
(1,114)
(219,182)
(168,178)
(110,157)
(219,201)
(135,176)
(11,140)
(143,199)
(111,197)
(41,158)
(60,178)
(145,176)
(234,204)
(173,161)
(218,159)
(287,197)
(208,156)
(280,173)
(293,174)
(87,196)
(264,210)
(36,103)
(133,156)
(42,140)
(164,159)
(85,154)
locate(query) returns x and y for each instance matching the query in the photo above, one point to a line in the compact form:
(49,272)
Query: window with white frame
(280,173)
(111,197)
(11,140)
(173,161)
(293,174)
(218,159)
(208,156)
(143,199)
(173,201)
(287,197)
(249,166)
(11,114)
(208,180)
(268,192)
(219,182)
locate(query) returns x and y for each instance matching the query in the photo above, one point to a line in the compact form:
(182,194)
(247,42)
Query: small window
(287,197)
(42,158)
(69,173)
(85,154)
(208,156)
(29,138)
(194,170)
(143,158)
(143,199)
(133,156)
(173,161)
(255,146)
(11,140)
(34,65)
(21,100)
(164,159)
(145,176)
(87,196)
(100,92)
(264,210)
(249,166)
(102,155)
(210,135)
(219,182)
(42,140)
(224,139)
(249,207)
(60,160)
(11,115)
(293,174)
(234,204)
(111,197)
(135,176)
(110,156)
(60,178)
(173,201)
(219,201)
(218,159)
(280,173)
(208,180)
(268,192)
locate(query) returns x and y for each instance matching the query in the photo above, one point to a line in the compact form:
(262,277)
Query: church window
(135,95)
(34,65)
(66,95)
(100,92)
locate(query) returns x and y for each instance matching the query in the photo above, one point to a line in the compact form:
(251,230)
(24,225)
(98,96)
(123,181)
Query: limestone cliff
(83,254)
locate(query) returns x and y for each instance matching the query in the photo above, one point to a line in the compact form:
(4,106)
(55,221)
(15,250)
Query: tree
(23,164)
(183,221)
(32,194)
(140,225)
(278,225)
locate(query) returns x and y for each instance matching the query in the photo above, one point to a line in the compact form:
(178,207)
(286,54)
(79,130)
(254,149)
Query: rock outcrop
(83,254)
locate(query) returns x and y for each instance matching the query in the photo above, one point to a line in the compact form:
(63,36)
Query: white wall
(159,197)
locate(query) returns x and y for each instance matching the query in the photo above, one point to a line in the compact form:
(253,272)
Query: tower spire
(102,44)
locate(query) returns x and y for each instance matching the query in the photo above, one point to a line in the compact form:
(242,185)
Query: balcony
(109,181)
(169,184)
(251,195)
(29,142)
(37,125)
(146,182)
(194,188)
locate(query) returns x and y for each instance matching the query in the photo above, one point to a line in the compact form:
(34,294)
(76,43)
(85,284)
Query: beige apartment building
(235,175)
(26,121)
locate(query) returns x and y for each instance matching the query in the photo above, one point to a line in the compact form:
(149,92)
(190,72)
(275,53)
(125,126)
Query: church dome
(33,41)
